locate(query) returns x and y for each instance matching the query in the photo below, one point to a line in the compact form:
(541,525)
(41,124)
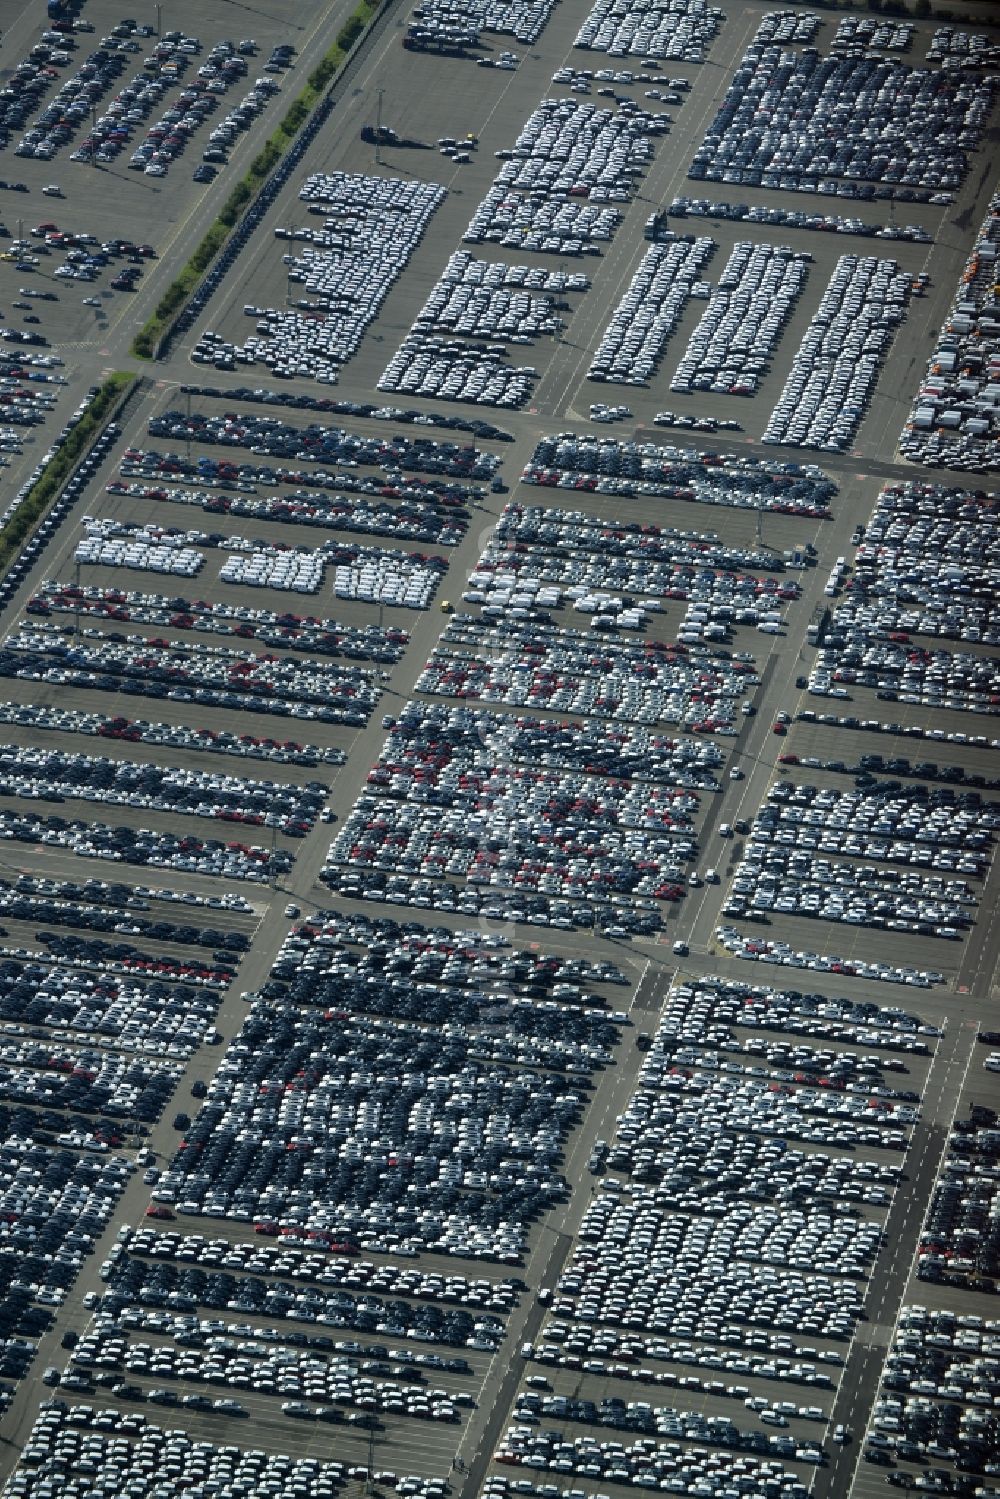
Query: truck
(383,135)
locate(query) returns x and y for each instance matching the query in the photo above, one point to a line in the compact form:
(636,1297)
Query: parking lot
(425,1099)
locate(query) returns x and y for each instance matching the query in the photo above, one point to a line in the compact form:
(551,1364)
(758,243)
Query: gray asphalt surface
(426,98)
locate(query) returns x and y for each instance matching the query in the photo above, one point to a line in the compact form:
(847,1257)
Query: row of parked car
(888,822)
(114,542)
(46,900)
(712,1012)
(835,369)
(424,731)
(730,349)
(908,731)
(371,222)
(240,118)
(796,883)
(868,766)
(606,465)
(552,855)
(924,566)
(440,521)
(939,1381)
(796,117)
(633,342)
(344,1391)
(72,104)
(963,49)
(83,1080)
(56,1204)
(564,148)
(251,220)
(376,576)
(28,80)
(127,959)
(24,407)
(955,416)
(443,26)
(788,26)
(145,548)
(548,226)
(949,1341)
(443,984)
(215,676)
(563,834)
(70,492)
(794,218)
(308,1158)
(302,402)
(128,1448)
(316,442)
(827,1115)
(938,1384)
(570,671)
(324,637)
(55,775)
(667,1466)
(125,844)
(176,736)
(767,950)
(854,655)
(314,1257)
(489,299)
(452,370)
(97,1005)
(478,947)
(122,897)
(491,903)
(725,1349)
(866,34)
(668,1420)
(592,152)
(563,557)
(755,1243)
(684,33)
(111,131)
(958,1243)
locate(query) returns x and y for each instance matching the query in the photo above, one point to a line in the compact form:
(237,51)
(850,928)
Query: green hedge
(47,487)
(180,289)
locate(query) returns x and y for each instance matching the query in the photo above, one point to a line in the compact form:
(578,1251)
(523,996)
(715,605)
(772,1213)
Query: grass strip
(48,485)
(260,169)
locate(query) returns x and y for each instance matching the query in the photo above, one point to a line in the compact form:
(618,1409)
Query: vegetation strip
(49,484)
